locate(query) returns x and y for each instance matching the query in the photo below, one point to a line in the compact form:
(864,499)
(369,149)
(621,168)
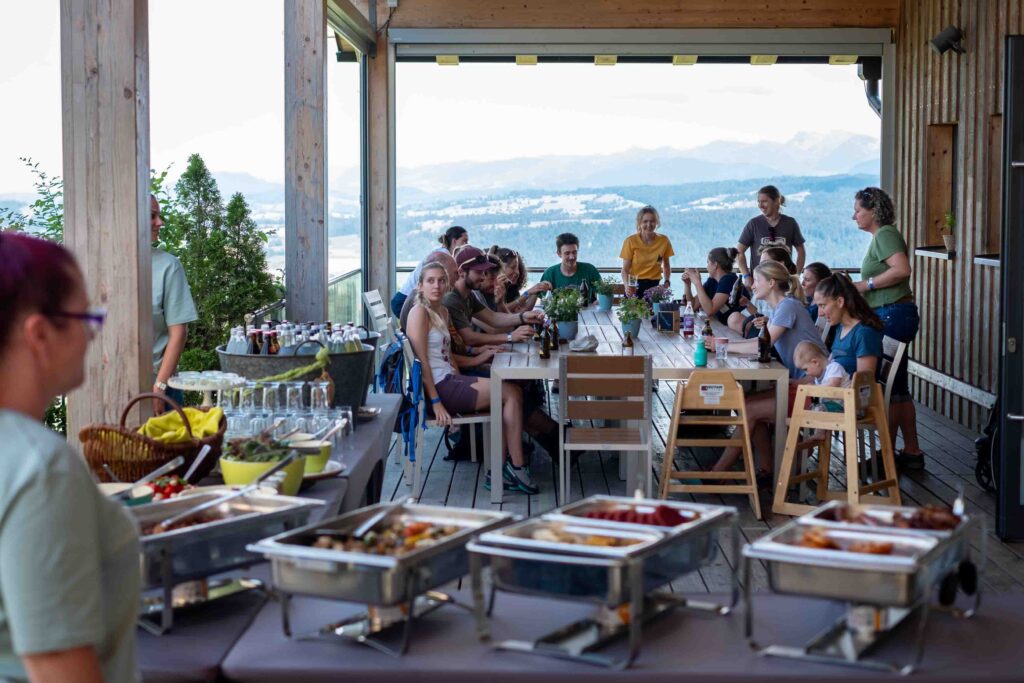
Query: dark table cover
(676,647)
(365,451)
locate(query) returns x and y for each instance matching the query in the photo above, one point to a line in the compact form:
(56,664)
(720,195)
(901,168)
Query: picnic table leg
(781,400)
(497,447)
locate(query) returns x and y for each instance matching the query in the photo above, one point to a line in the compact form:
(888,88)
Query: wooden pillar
(105,122)
(381,186)
(305,140)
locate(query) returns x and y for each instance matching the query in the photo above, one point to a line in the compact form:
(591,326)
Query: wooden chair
(604,388)
(706,392)
(618,293)
(413,469)
(893,352)
(864,395)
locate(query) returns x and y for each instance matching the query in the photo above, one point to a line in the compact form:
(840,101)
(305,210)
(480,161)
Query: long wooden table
(672,358)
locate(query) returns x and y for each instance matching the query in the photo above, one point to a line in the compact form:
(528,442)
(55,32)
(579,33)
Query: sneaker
(906,462)
(519,478)
(506,483)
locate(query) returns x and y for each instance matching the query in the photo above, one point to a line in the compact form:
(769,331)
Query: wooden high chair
(865,396)
(704,392)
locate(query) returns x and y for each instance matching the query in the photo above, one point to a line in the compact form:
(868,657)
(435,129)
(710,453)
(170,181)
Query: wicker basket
(131,455)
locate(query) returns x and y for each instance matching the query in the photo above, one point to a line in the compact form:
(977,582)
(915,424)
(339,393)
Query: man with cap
(475,269)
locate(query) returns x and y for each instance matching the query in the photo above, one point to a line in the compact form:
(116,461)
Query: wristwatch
(162,386)
(508,337)
(871,283)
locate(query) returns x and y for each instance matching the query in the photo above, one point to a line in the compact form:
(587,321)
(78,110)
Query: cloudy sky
(217,88)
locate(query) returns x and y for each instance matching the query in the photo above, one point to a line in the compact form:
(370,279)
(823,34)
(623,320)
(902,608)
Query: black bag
(986,448)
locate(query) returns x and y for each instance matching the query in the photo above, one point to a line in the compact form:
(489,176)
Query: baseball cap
(471,258)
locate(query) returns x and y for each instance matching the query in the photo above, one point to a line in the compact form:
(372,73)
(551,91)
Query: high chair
(708,391)
(863,409)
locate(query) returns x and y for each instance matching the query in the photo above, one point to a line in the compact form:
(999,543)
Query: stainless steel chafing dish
(881,590)
(377,580)
(621,566)
(201,550)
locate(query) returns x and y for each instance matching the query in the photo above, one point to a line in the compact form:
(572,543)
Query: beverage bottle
(264,340)
(555,339)
(275,344)
(353,344)
(700,356)
(764,345)
(707,331)
(252,347)
(737,292)
(687,321)
(545,344)
(585,292)
(627,345)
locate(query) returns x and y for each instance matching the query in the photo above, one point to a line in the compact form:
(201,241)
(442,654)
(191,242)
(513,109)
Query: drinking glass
(343,438)
(632,281)
(722,348)
(318,402)
(295,407)
(271,397)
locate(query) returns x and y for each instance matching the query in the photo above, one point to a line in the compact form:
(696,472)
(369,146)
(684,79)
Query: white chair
(604,388)
(413,470)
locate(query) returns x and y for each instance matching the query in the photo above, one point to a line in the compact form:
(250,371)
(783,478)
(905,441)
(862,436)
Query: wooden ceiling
(644,14)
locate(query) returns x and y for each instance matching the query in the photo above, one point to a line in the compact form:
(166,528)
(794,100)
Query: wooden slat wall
(645,14)
(959,300)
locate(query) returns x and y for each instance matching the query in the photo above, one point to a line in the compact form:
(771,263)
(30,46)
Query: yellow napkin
(168,428)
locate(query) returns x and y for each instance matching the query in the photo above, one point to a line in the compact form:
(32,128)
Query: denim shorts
(901,322)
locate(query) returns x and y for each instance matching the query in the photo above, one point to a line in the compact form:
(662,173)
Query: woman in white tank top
(449,392)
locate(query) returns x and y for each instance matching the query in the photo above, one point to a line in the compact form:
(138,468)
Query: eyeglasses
(93,319)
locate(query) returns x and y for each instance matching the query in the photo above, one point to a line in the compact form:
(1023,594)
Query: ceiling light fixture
(684,60)
(842,60)
(763,60)
(526,60)
(447,60)
(605,60)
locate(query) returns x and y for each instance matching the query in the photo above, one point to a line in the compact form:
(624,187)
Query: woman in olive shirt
(69,558)
(885,283)
(645,254)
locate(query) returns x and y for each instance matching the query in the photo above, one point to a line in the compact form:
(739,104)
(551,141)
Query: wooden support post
(305,141)
(381,199)
(105,123)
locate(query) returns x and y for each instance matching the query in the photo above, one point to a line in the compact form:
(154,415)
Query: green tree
(222,251)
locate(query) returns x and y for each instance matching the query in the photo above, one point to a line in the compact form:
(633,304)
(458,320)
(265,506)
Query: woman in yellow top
(645,254)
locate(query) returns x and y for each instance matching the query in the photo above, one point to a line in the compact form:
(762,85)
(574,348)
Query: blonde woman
(450,393)
(645,254)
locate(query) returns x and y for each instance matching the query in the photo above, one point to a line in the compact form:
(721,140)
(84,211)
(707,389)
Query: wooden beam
(105,127)
(646,14)
(381,169)
(985,399)
(305,142)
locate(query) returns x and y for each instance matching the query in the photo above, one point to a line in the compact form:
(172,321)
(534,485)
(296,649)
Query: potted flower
(605,289)
(563,306)
(631,311)
(949,222)
(656,296)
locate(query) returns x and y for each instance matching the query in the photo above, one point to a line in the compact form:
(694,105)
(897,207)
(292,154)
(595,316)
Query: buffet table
(677,647)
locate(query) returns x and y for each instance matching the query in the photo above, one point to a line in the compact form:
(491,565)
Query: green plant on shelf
(564,304)
(949,222)
(632,309)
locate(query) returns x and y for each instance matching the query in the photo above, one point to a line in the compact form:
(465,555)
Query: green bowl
(237,473)
(315,454)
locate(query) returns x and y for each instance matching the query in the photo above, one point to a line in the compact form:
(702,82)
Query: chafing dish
(219,545)
(616,565)
(379,580)
(880,590)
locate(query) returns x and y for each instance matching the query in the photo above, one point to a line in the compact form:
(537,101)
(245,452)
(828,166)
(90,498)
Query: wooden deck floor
(950,464)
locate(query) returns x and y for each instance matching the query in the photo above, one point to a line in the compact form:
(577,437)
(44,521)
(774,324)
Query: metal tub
(382,580)
(591,573)
(199,551)
(896,580)
(696,514)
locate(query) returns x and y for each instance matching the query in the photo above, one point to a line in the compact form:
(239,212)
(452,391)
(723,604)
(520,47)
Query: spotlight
(948,39)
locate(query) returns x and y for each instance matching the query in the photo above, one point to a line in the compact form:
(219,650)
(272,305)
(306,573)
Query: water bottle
(688,321)
(700,356)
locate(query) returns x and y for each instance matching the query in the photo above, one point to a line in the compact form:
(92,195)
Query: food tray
(895,580)
(884,514)
(199,551)
(695,513)
(299,568)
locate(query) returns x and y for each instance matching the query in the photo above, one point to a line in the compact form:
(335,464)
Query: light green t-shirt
(69,558)
(584,271)
(172,301)
(886,242)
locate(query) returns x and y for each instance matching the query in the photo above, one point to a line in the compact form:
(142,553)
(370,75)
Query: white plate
(331,469)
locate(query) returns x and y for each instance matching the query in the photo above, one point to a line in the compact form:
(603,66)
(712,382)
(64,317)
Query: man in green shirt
(570,272)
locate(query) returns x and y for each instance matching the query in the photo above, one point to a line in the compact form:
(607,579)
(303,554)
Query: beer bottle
(275,345)
(707,331)
(737,292)
(555,340)
(585,293)
(627,345)
(264,340)
(545,344)
(252,347)
(764,345)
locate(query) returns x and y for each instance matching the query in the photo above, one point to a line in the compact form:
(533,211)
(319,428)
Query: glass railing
(344,300)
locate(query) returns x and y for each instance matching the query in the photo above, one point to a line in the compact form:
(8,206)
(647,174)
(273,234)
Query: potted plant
(658,295)
(631,312)
(563,306)
(949,221)
(605,289)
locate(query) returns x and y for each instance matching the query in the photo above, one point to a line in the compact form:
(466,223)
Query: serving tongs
(166,468)
(162,526)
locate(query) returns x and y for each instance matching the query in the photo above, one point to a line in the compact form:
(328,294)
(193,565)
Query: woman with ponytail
(451,393)
(812,275)
(713,297)
(789,324)
(770,229)
(858,341)
(453,238)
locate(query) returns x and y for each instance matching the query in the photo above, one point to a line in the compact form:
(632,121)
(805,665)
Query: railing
(344,303)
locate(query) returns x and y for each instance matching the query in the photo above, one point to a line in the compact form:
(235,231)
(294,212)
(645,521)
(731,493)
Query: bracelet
(521,320)
(435,401)
(748,275)
(469,350)
(871,283)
